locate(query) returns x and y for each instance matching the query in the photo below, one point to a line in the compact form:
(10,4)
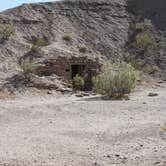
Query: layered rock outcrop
(102,26)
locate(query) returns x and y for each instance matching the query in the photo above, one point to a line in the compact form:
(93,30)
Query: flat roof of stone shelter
(54,52)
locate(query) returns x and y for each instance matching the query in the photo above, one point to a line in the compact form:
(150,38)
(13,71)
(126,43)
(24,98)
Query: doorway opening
(77,69)
(83,72)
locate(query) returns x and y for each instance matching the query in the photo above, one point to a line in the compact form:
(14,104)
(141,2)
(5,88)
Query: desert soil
(65,130)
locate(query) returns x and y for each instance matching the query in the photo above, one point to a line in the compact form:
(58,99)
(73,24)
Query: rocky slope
(102,26)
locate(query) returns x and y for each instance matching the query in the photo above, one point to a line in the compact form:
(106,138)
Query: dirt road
(69,131)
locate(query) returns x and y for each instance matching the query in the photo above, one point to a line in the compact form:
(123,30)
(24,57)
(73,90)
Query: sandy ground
(68,131)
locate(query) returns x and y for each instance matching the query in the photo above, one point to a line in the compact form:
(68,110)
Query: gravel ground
(68,131)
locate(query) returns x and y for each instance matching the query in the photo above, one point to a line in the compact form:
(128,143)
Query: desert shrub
(67,38)
(35,49)
(115,80)
(37,44)
(141,65)
(40,42)
(135,62)
(150,69)
(6,30)
(145,25)
(145,42)
(78,82)
(28,67)
(82,49)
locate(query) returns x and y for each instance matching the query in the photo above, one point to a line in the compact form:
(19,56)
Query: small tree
(28,67)
(78,82)
(6,30)
(116,80)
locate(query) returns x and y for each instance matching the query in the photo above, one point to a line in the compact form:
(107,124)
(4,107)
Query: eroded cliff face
(155,12)
(102,26)
(150,9)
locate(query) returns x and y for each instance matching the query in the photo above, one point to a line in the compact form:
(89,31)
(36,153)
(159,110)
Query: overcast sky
(6,4)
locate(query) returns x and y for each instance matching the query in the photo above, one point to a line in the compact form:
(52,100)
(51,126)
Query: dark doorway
(87,75)
(77,69)
(74,70)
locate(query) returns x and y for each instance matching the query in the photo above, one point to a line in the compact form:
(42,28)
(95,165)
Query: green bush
(28,67)
(35,49)
(40,42)
(145,42)
(135,62)
(145,25)
(6,30)
(82,49)
(115,80)
(67,38)
(78,82)
(37,44)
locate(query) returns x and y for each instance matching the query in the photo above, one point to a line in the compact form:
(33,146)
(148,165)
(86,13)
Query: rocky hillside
(105,28)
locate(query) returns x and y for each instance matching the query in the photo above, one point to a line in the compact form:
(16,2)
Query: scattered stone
(108,156)
(158,85)
(157,162)
(85,94)
(93,94)
(153,94)
(96,164)
(49,93)
(82,94)
(117,155)
(125,158)
(160,82)
(79,95)
(65,90)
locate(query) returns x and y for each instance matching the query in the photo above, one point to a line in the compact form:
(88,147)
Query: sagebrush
(115,80)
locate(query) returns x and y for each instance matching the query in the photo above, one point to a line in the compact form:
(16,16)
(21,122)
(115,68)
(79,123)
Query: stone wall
(62,66)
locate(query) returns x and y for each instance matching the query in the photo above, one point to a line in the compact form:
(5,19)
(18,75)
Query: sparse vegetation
(40,42)
(145,42)
(135,62)
(28,67)
(82,49)
(37,44)
(150,69)
(145,25)
(115,80)
(140,64)
(6,30)
(67,38)
(78,82)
